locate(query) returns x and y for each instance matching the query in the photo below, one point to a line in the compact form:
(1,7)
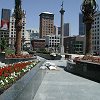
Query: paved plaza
(61,85)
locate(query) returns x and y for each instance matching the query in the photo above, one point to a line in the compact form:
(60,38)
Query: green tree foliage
(3,44)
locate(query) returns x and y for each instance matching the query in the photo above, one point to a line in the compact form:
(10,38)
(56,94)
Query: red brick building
(38,44)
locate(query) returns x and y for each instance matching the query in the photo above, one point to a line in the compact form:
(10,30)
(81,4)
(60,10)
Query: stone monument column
(62,30)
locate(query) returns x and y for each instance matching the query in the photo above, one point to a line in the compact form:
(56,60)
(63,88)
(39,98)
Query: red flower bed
(11,73)
(89,58)
(7,70)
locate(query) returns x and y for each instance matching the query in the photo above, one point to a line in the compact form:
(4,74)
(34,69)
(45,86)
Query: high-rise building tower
(66,29)
(5,19)
(59,30)
(46,24)
(81,25)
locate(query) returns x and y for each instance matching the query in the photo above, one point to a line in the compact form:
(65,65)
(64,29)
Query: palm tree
(18,25)
(88,9)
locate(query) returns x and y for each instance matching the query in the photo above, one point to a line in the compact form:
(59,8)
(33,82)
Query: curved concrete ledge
(49,57)
(16,60)
(26,87)
(85,69)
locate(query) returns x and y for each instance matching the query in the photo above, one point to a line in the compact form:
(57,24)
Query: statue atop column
(62,30)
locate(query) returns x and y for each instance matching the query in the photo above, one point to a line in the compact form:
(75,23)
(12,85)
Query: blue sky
(35,7)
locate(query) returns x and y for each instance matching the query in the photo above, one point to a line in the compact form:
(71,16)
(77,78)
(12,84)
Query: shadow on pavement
(63,67)
(83,76)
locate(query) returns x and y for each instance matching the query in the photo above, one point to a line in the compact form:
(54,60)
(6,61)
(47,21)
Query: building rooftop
(47,12)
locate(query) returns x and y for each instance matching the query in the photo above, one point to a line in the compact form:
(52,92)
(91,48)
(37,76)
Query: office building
(69,44)
(4,34)
(33,34)
(38,44)
(53,42)
(66,29)
(46,24)
(5,19)
(59,30)
(80,44)
(74,44)
(81,25)
(96,33)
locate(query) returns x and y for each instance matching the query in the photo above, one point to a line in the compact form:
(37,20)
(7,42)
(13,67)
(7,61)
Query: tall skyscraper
(66,29)
(81,25)
(5,19)
(46,24)
(59,30)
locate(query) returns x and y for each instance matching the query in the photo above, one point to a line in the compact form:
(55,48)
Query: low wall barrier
(86,69)
(26,87)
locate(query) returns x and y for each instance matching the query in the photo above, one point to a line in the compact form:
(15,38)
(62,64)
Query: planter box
(2,57)
(49,57)
(15,60)
(26,87)
(85,69)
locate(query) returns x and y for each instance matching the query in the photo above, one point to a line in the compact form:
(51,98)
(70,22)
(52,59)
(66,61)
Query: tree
(3,44)
(18,25)
(88,9)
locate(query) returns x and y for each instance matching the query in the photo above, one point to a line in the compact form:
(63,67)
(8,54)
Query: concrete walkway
(61,85)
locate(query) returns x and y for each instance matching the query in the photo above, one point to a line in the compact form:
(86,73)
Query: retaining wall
(86,69)
(26,87)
